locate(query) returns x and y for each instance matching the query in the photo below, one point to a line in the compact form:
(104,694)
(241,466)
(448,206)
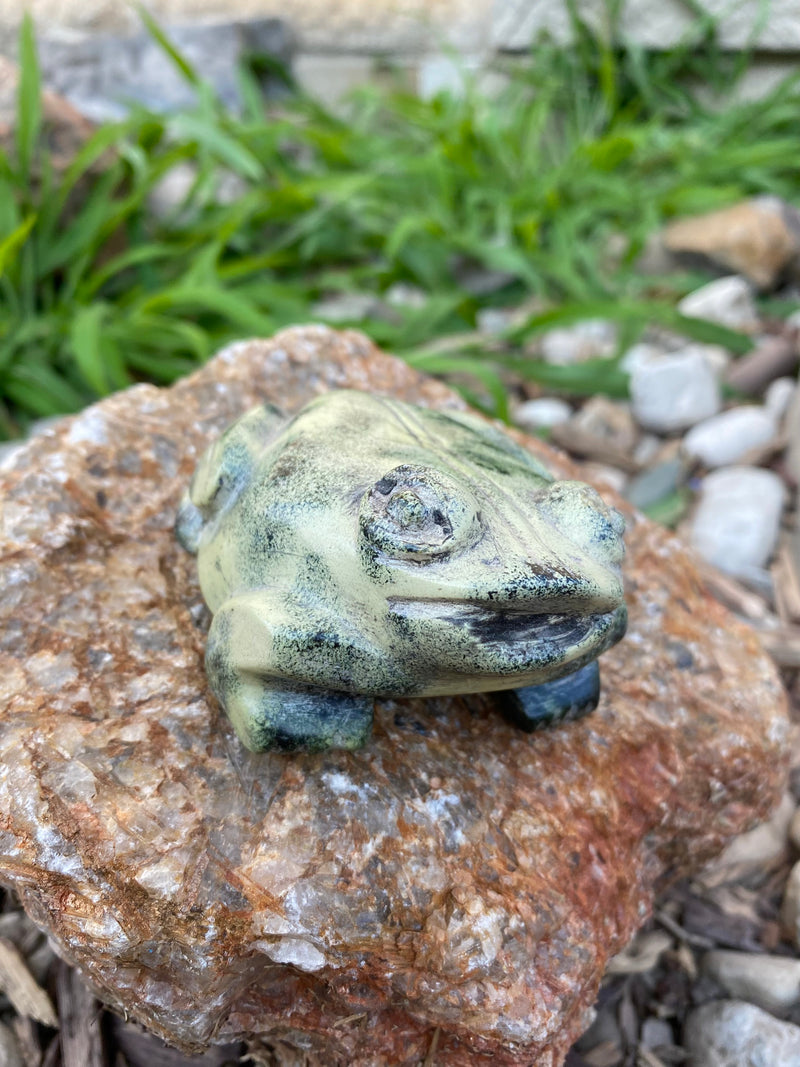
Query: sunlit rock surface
(455,881)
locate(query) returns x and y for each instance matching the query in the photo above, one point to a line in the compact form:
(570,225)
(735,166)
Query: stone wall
(411,25)
(338,41)
(769,25)
(367,26)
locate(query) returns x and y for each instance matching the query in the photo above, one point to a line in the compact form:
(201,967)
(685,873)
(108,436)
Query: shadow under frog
(369,548)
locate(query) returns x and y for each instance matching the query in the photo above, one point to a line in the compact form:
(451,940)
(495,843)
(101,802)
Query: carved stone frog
(367,547)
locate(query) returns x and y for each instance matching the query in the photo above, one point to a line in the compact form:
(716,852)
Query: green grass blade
(580,379)
(131,257)
(224,147)
(91,152)
(10,245)
(85,340)
(168,337)
(709,333)
(238,311)
(652,312)
(180,61)
(671,509)
(480,370)
(42,391)
(157,368)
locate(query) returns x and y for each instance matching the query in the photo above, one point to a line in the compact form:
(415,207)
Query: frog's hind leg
(534,707)
(273,713)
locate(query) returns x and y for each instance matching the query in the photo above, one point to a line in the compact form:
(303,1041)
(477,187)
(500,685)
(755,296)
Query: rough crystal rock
(457,882)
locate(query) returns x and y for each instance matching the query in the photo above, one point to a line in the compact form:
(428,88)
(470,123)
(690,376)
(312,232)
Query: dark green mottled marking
(370,548)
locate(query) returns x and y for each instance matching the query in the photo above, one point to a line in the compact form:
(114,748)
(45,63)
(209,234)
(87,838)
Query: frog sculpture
(367,547)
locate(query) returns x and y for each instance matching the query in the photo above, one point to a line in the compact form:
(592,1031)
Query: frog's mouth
(503,625)
(506,643)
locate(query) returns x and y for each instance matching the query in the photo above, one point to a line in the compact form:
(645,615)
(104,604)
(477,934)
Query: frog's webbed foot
(268,715)
(535,706)
(270,712)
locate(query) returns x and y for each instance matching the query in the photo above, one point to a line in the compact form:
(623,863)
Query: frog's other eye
(415,513)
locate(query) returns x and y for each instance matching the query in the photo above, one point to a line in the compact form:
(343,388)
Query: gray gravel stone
(769,982)
(736,523)
(794,830)
(673,392)
(655,1033)
(478,281)
(654,484)
(732,1033)
(542,413)
(727,301)
(725,438)
(10,1055)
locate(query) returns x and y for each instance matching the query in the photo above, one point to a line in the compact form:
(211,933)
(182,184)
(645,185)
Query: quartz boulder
(455,885)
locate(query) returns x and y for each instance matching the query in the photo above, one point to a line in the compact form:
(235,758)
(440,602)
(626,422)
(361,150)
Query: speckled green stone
(368,548)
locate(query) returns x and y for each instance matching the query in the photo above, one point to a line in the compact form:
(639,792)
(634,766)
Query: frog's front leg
(563,700)
(270,712)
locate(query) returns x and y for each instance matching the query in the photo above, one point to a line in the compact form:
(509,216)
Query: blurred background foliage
(539,196)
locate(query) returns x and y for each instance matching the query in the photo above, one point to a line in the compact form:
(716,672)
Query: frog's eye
(415,513)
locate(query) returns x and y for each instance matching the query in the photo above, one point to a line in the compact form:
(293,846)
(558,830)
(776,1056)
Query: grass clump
(528,188)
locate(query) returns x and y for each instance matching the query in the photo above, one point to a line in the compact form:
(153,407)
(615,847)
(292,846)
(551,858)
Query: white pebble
(648,447)
(345,307)
(736,524)
(770,982)
(542,413)
(172,189)
(727,301)
(725,438)
(494,320)
(638,354)
(403,295)
(779,396)
(792,428)
(754,851)
(603,475)
(589,339)
(717,357)
(674,391)
(731,1033)
(790,908)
